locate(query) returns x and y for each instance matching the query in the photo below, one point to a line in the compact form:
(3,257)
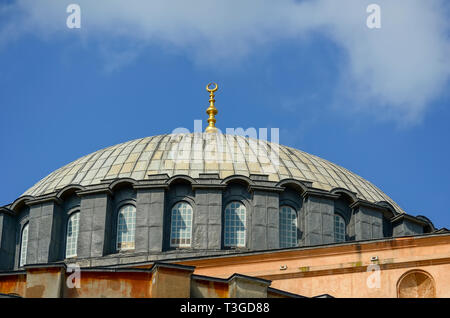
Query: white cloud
(395,71)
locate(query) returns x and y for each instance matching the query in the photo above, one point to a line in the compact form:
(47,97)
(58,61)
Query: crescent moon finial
(212,90)
(212,110)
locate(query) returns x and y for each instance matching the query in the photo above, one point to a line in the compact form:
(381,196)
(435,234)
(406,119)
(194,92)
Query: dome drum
(208,198)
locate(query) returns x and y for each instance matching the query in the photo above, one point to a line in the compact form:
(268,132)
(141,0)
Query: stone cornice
(209,186)
(151,186)
(7,211)
(320,193)
(104,190)
(367,204)
(127,268)
(354,268)
(409,218)
(44,199)
(45,265)
(158,265)
(256,182)
(265,188)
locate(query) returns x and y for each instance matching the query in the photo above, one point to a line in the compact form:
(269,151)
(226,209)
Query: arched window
(288,227)
(181,225)
(339,228)
(23,246)
(234,222)
(72,235)
(126,224)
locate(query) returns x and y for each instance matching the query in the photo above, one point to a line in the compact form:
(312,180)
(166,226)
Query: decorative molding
(44,200)
(86,192)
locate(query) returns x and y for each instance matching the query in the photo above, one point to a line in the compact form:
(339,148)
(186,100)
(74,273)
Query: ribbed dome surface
(191,154)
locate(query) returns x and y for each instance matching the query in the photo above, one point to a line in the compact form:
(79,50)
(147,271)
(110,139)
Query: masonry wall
(343,270)
(7,240)
(354,284)
(368,223)
(318,220)
(112,285)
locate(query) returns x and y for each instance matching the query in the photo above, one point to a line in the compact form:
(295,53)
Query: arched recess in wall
(416,284)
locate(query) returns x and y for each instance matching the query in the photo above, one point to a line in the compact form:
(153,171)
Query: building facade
(195,199)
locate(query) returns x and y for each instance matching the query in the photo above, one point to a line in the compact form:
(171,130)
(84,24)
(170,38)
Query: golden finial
(212,110)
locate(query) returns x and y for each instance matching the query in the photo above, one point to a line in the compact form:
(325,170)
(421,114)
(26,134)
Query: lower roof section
(161,280)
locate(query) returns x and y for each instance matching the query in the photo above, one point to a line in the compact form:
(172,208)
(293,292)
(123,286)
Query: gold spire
(212,110)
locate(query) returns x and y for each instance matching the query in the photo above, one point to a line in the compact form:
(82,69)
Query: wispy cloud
(396,71)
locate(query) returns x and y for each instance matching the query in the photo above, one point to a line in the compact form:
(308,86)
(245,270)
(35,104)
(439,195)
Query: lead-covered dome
(195,153)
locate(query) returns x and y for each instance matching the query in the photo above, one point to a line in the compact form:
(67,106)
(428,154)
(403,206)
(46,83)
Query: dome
(195,153)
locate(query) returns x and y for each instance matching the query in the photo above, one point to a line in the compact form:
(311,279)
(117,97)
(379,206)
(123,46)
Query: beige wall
(341,270)
(354,284)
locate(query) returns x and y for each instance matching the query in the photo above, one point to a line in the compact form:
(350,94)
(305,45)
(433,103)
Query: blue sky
(373,101)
